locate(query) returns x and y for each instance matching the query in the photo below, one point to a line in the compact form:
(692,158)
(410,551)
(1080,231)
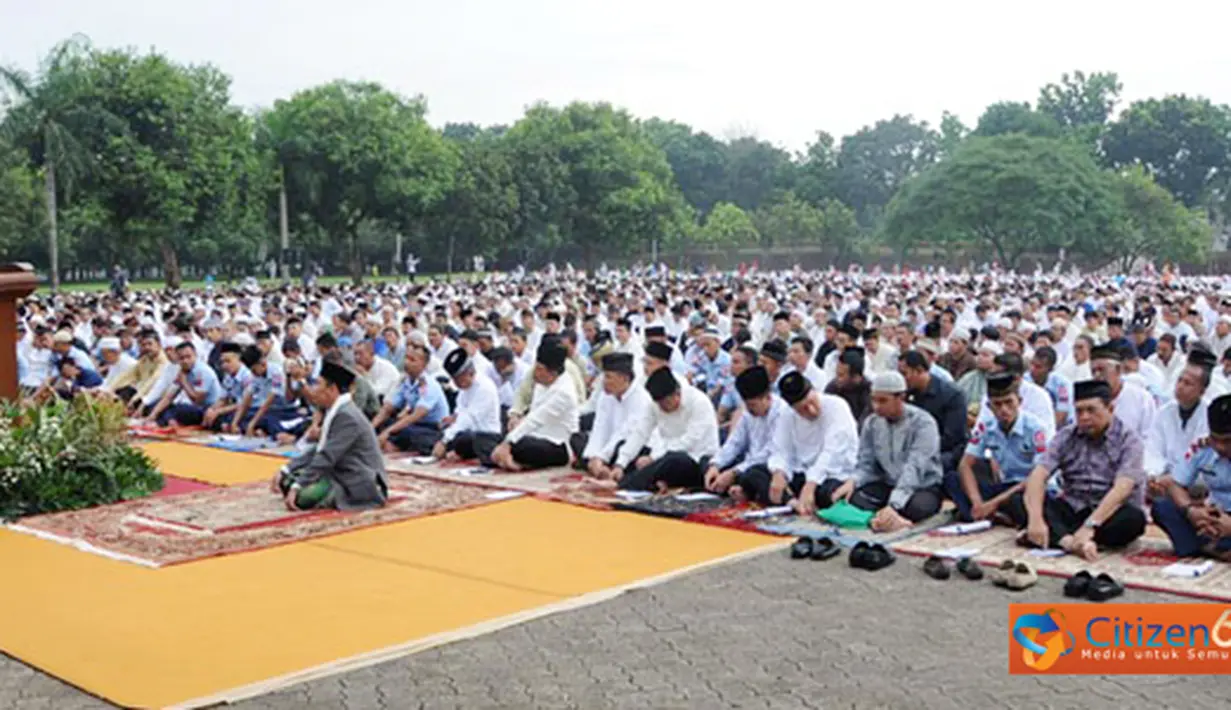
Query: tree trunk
(356,263)
(449,256)
(170,265)
(53,240)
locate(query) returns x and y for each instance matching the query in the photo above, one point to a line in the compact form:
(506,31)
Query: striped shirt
(1089,467)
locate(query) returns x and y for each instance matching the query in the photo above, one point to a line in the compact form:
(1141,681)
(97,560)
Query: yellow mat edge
(414,646)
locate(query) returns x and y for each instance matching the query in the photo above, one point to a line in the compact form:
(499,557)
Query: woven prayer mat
(793,525)
(174,485)
(970,545)
(674,506)
(144,430)
(560,484)
(1139,566)
(156,532)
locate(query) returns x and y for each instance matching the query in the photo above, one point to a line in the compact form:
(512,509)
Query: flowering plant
(68,455)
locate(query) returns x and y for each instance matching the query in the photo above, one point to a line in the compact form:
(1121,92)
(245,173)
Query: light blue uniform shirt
(710,373)
(1016,452)
(201,377)
(1061,391)
(1205,462)
(274,382)
(942,373)
(233,386)
(79,358)
(426,393)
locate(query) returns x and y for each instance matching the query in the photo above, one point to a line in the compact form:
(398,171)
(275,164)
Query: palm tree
(46,114)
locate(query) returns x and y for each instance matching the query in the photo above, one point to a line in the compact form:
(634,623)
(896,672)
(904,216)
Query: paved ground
(765,633)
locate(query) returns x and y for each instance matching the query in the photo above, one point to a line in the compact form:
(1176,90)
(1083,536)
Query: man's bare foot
(285,439)
(605,484)
(1087,550)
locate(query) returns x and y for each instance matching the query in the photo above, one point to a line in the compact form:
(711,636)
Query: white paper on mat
(1188,569)
(633,495)
(693,497)
(504,495)
(965,528)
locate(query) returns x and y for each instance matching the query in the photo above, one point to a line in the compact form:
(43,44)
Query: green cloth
(314,495)
(845,515)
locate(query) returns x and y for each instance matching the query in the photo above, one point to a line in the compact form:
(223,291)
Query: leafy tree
(790,222)
(589,176)
(1012,194)
(816,174)
(1183,143)
(46,114)
(757,171)
(952,133)
(876,161)
(480,210)
(1153,225)
(1081,100)
(842,233)
(1008,117)
(727,226)
(698,161)
(354,153)
(182,178)
(20,202)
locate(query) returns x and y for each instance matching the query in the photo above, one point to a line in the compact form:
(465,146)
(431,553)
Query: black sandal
(877,557)
(970,569)
(824,548)
(1103,588)
(936,568)
(1078,585)
(802,549)
(859,555)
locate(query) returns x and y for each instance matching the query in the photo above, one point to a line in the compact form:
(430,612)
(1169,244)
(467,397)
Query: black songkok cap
(662,384)
(1091,389)
(753,382)
(794,387)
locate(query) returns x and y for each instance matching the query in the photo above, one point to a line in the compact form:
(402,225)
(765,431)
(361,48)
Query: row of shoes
(864,555)
(939,568)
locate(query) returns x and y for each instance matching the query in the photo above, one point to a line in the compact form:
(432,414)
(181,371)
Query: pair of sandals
(870,556)
(815,548)
(1014,575)
(1083,585)
(938,568)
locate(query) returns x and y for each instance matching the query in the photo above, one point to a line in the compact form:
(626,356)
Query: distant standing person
(412,266)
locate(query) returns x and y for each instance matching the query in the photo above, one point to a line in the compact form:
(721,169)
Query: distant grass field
(102,286)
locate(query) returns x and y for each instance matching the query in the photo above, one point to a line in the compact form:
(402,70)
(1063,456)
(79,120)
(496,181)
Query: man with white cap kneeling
(541,437)
(687,429)
(473,430)
(115,362)
(898,472)
(345,469)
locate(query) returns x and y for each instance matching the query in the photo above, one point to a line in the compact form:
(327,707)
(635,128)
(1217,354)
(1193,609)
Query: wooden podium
(16,281)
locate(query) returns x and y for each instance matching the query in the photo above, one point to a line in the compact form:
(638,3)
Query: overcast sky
(777,69)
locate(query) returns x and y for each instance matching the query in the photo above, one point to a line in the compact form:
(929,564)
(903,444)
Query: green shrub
(69,455)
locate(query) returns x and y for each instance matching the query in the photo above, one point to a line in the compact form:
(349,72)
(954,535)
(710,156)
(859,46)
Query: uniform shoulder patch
(1040,441)
(976,435)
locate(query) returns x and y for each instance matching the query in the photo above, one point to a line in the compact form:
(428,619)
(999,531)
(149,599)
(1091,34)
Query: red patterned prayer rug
(174,485)
(160,531)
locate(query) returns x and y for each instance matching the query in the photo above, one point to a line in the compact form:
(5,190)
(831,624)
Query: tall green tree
(1153,225)
(45,113)
(1081,100)
(952,133)
(816,174)
(479,212)
(876,161)
(728,226)
(181,180)
(698,161)
(355,154)
(790,222)
(757,172)
(21,200)
(1184,143)
(1012,194)
(590,177)
(1011,117)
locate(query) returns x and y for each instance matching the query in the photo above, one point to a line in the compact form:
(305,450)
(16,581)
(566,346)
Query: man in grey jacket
(898,472)
(345,470)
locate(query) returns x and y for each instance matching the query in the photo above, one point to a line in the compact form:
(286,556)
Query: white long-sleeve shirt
(692,428)
(616,418)
(1135,408)
(1169,439)
(821,448)
(552,415)
(384,377)
(752,438)
(478,410)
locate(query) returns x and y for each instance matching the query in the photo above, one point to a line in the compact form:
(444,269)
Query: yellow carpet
(205,630)
(217,466)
